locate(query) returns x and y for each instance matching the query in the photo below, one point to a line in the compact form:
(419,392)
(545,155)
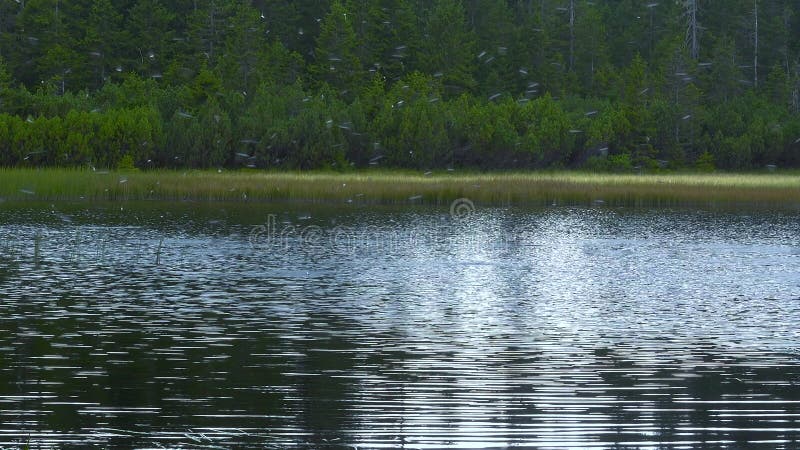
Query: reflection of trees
(703,398)
(324,394)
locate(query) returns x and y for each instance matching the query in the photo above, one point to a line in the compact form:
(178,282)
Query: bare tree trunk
(651,7)
(213,36)
(691,30)
(787,19)
(571,35)
(755,44)
(796,88)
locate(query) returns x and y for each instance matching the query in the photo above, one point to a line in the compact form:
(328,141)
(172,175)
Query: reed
(37,250)
(396,187)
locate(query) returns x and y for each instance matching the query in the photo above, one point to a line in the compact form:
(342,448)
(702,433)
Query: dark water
(180,326)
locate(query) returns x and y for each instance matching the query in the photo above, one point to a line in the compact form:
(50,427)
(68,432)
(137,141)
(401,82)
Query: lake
(159,325)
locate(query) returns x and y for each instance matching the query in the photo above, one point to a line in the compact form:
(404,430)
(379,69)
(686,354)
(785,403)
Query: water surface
(190,326)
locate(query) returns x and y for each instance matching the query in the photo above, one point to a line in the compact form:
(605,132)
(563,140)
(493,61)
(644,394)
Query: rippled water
(182,326)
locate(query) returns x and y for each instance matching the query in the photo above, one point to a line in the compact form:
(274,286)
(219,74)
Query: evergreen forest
(618,85)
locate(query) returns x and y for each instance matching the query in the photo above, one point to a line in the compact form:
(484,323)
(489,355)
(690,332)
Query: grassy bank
(534,188)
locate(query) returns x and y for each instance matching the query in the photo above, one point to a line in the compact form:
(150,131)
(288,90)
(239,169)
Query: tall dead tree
(571,35)
(796,89)
(755,44)
(571,11)
(692,41)
(651,7)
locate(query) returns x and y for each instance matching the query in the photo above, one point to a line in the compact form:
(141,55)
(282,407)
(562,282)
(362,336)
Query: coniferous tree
(336,59)
(694,82)
(448,46)
(150,27)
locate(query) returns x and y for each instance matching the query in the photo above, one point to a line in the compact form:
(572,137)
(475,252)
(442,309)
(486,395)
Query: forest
(616,85)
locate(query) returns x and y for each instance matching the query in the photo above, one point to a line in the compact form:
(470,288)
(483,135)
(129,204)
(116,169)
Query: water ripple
(556,328)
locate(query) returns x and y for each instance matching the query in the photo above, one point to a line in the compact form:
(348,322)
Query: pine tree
(102,39)
(591,49)
(337,63)
(724,79)
(498,62)
(245,38)
(151,28)
(387,35)
(448,47)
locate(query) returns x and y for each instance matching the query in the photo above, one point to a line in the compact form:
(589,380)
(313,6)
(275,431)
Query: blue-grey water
(243,326)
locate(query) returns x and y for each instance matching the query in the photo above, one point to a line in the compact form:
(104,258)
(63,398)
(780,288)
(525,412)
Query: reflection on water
(371,328)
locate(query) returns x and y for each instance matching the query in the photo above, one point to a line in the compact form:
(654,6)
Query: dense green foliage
(420,84)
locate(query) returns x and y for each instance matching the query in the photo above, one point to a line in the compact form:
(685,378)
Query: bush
(705,162)
(126,164)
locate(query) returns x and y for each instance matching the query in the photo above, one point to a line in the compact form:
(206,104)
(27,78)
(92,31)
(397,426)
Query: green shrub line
(403,187)
(137,124)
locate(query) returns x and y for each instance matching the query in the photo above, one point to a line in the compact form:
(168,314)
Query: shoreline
(404,187)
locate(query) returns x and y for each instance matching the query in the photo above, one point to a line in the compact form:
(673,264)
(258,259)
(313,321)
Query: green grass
(388,187)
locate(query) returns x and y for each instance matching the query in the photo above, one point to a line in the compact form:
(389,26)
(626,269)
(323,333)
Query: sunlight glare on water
(587,327)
